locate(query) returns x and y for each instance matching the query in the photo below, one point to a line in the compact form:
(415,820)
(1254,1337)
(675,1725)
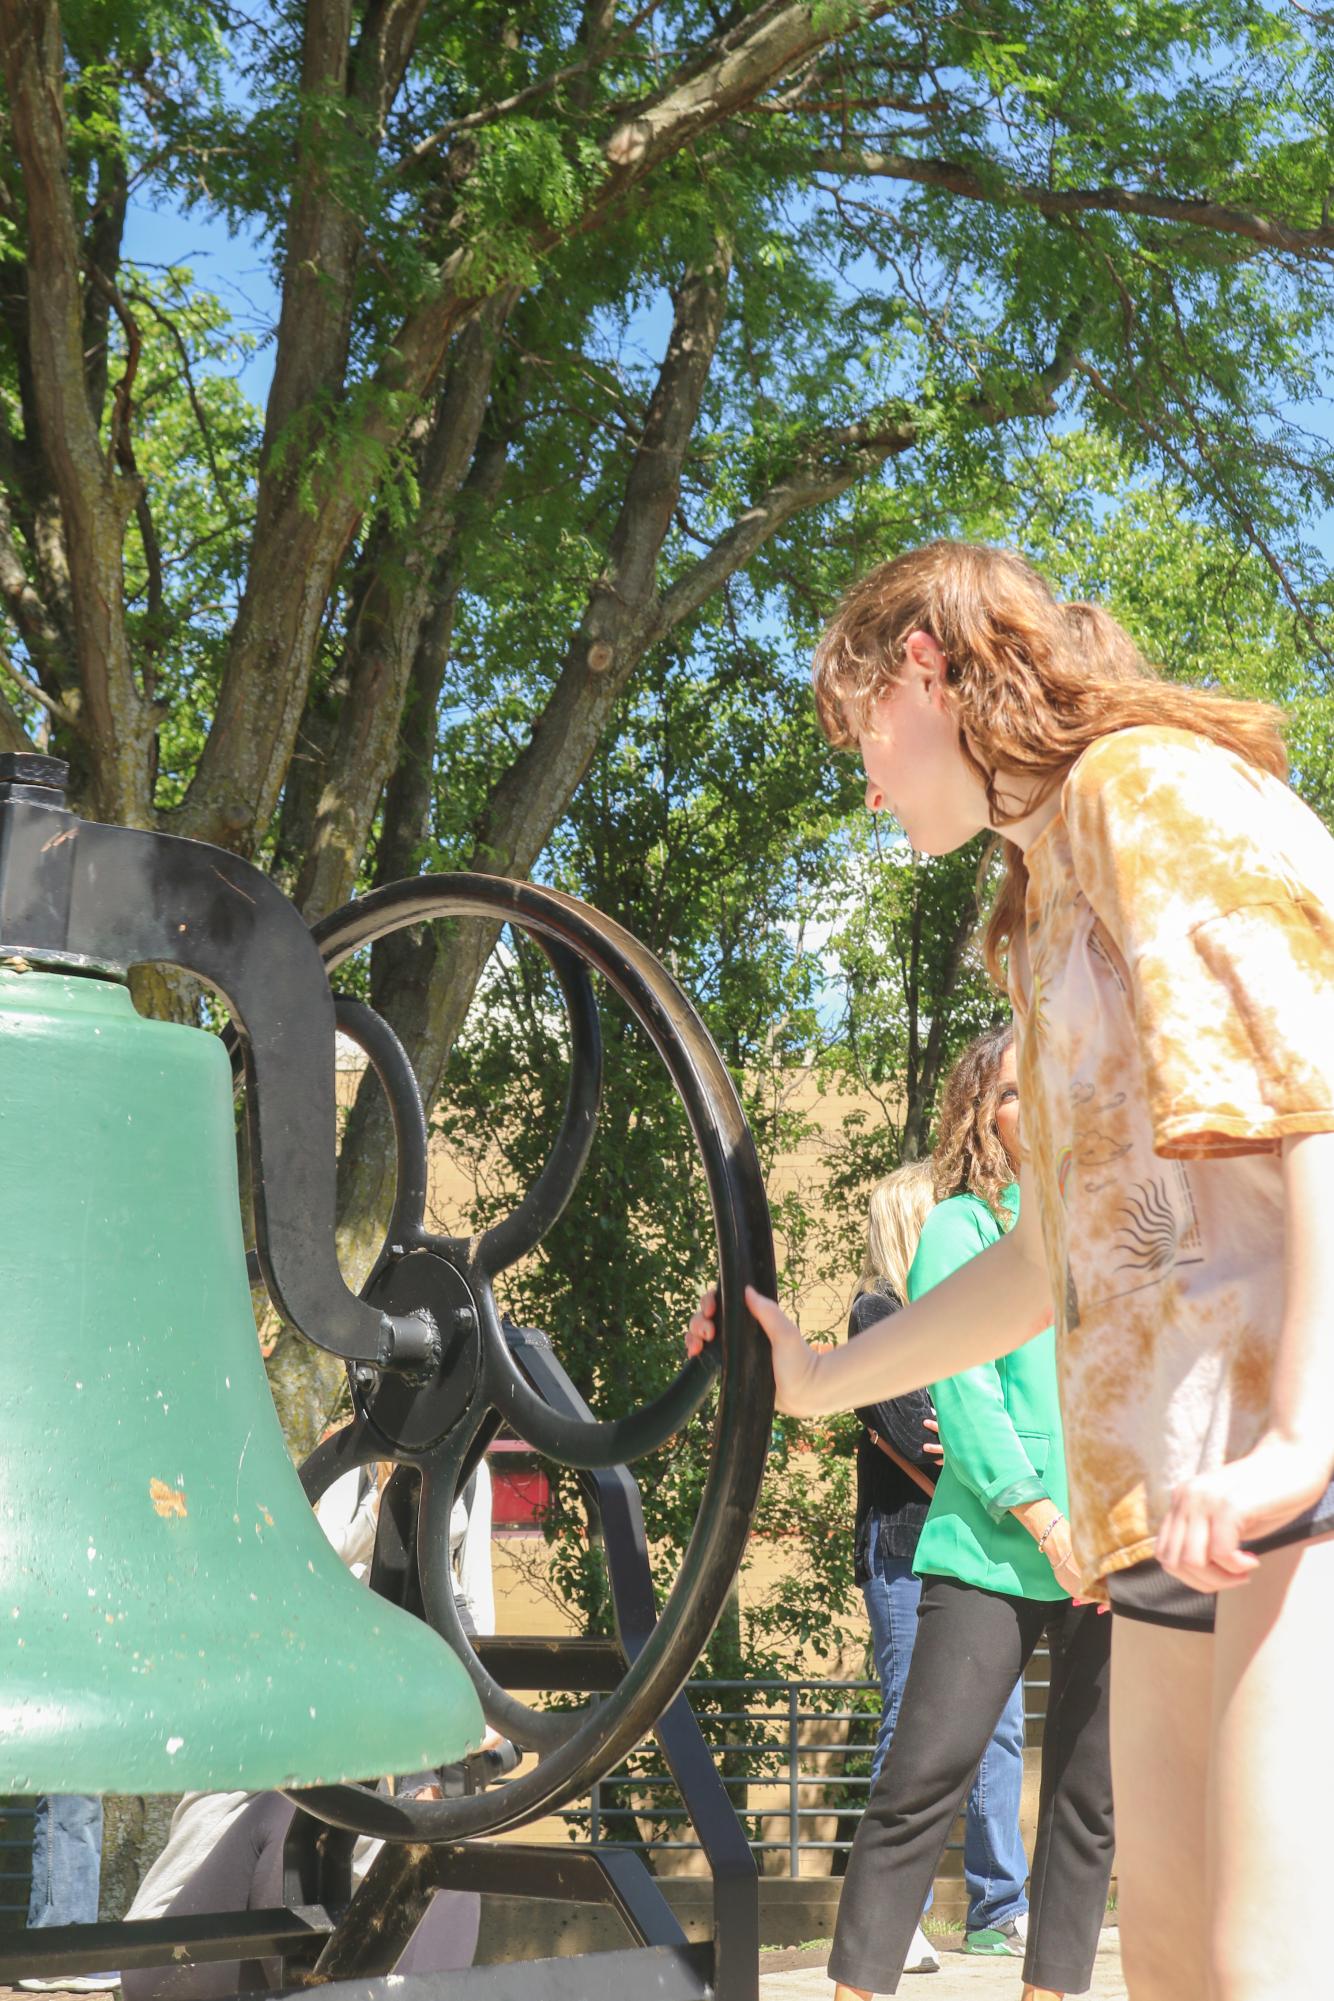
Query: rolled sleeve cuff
(1016,1494)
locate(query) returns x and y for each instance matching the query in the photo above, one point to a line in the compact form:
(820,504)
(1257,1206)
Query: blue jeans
(66,1860)
(995,1866)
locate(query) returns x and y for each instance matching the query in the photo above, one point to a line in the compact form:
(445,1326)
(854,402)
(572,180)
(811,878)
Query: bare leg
(1161,1694)
(1274,1739)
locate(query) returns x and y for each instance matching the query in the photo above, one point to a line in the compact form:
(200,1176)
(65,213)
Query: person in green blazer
(995,1562)
(1003,1425)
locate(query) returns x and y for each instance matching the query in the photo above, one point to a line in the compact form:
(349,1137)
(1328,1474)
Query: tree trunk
(424,988)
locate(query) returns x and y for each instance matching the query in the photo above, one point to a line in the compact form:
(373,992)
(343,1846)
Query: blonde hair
(1033,682)
(970,1156)
(899,1206)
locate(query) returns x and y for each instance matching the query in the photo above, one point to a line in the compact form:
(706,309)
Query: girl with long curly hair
(994,1579)
(1166,929)
(898,1466)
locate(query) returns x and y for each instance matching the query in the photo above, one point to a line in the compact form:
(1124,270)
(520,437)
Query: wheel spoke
(585,1443)
(355,1445)
(524,1228)
(532,1729)
(341,933)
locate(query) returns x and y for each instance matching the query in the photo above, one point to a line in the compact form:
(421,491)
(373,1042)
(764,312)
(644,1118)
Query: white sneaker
(1021,1926)
(921,1955)
(73,1983)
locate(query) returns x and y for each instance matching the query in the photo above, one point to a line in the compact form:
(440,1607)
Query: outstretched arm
(991,1305)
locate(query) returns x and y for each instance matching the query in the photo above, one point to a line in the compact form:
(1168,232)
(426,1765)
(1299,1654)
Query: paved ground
(960,1978)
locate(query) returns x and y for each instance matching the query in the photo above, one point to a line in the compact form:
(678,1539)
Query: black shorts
(1146,1591)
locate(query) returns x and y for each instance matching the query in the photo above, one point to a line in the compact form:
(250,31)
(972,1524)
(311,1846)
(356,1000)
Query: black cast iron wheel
(439,1425)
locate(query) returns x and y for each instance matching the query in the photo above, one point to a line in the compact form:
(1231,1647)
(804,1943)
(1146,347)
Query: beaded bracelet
(1042,1539)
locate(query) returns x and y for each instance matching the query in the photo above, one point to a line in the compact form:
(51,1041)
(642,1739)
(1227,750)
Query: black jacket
(890,1507)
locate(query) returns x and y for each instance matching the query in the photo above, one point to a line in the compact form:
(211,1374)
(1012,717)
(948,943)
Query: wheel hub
(415,1416)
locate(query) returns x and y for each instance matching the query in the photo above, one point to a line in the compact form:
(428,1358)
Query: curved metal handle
(76,893)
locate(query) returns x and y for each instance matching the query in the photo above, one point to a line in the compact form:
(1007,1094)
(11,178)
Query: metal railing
(16,1818)
(767,1738)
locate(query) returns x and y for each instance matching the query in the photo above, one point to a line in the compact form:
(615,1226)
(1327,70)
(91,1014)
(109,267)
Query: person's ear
(926,659)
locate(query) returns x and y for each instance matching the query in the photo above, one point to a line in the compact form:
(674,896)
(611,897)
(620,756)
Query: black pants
(971,1648)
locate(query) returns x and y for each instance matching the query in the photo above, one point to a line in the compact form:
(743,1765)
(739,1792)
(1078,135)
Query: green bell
(174,1618)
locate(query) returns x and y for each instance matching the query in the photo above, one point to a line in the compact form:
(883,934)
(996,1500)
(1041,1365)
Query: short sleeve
(1216,886)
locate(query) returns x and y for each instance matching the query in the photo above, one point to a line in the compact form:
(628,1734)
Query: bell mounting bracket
(87,898)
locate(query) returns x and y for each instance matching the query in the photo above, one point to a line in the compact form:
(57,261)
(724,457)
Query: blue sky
(235,269)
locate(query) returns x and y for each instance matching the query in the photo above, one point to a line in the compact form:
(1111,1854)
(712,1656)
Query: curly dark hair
(969,1158)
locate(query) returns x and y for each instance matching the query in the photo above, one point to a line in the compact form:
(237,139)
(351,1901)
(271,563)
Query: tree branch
(321,238)
(762,47)
(101,252)
(54,709)
(419,994)
(394,601)
(122,447)
(122,396)
(831,463)
(384,46)
(13,736)
(1270,232)
(619,615)
(32,507)
(237,783)
(915,1130)
(95,501)
(32,620)
(177,338)
(473,121)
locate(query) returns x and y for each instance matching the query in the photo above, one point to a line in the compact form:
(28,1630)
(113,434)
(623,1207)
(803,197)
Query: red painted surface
(520,1489)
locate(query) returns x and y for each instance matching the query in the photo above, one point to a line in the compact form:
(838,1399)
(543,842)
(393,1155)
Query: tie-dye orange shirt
(1174,996)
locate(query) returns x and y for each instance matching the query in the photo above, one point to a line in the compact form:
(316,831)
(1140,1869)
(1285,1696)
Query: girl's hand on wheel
(796,1364)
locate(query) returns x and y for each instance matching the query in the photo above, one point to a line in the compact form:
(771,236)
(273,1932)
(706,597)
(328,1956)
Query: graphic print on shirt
(1151,1227)
(1097,1144)
(1053,904)
(1098,950)
(1070,1311)
(1158,1230)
